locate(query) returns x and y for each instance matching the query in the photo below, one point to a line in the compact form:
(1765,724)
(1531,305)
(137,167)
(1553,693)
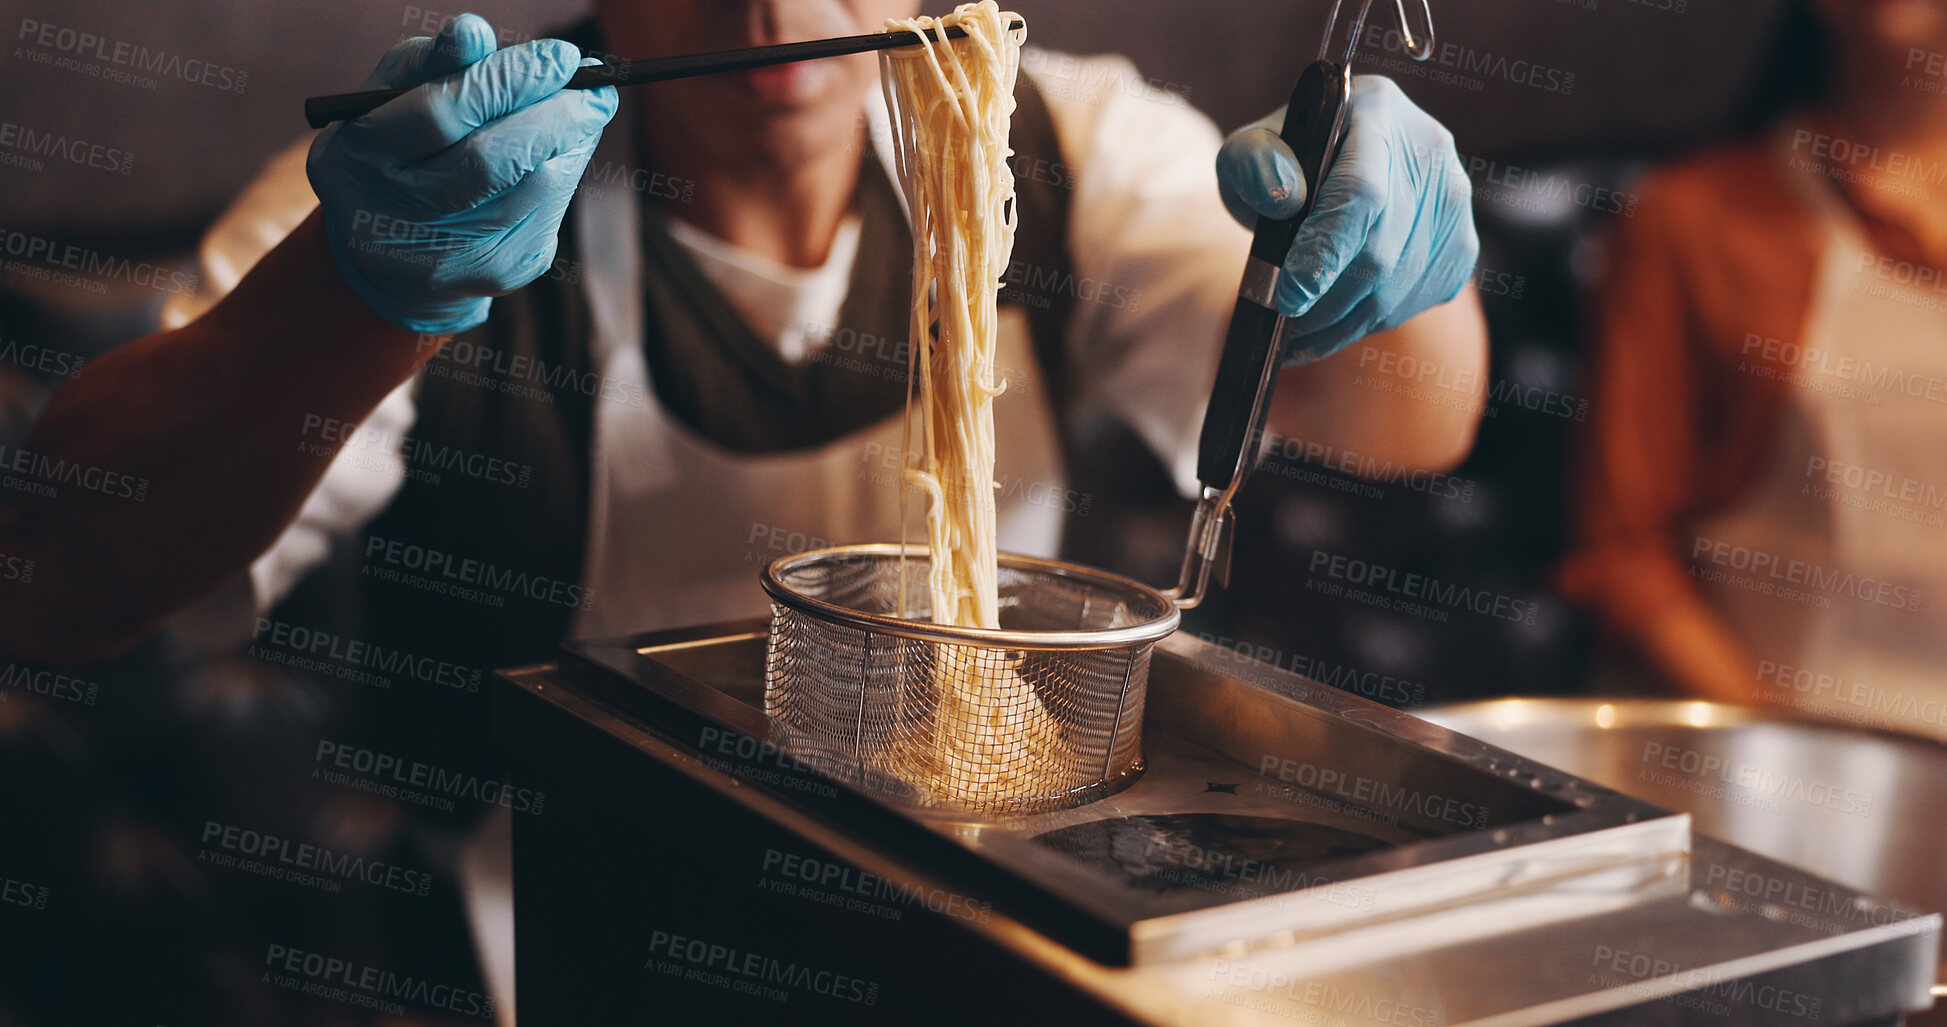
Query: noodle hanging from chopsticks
(951,102)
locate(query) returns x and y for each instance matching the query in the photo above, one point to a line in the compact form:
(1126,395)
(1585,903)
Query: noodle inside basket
(1043,713)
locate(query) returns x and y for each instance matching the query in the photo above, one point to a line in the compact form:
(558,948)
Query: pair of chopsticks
(323,110)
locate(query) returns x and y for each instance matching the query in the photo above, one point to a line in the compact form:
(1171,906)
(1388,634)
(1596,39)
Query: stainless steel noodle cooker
(1046,711)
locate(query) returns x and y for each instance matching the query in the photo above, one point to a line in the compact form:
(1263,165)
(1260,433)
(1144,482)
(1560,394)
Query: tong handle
(320,111)
(1247,372)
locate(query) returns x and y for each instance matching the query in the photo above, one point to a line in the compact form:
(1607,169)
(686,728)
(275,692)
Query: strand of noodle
(990,733)
(967,585)
(902,167)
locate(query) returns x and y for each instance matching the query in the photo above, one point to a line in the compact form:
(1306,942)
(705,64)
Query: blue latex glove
(1392,234)
(454,192)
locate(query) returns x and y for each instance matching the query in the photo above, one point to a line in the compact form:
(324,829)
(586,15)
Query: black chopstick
(323,110)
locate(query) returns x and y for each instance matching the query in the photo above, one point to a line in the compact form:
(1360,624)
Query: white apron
(1853,488)
(679,527)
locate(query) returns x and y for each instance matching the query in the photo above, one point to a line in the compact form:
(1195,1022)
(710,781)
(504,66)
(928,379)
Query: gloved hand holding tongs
(1391,234)
(1364,220)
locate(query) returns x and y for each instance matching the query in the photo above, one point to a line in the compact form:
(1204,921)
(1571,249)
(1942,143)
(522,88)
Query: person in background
(590,418)
(1762,490)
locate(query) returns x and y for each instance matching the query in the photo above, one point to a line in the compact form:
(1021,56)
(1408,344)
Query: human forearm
(1411,396)
(1641,595)
(430,205)
(1693,647)
(221,420)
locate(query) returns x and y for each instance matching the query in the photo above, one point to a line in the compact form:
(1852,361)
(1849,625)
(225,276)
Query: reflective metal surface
(1863,808)
(1860,807)
(1570,903)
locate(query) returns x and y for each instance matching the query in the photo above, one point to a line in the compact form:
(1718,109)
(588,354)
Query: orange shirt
(1705,298)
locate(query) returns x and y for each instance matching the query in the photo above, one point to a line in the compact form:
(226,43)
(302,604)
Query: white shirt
(791,308)
(1156,260)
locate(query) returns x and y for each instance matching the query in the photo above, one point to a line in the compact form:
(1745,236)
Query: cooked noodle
(951,101)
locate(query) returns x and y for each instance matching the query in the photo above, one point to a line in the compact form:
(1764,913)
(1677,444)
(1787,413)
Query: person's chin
(1910,23)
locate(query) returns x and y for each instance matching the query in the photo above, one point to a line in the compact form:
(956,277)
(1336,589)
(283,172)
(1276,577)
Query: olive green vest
(530,404)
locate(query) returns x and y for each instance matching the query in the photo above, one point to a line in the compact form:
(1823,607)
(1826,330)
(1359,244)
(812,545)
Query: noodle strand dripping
(951,102)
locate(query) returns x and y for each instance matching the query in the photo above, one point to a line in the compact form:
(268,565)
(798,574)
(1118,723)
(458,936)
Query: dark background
(1645,76)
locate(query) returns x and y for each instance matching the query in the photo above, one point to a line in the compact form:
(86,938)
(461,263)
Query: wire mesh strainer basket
(1043,713)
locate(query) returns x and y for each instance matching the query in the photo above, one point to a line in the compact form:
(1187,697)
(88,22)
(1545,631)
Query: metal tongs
(1233,426)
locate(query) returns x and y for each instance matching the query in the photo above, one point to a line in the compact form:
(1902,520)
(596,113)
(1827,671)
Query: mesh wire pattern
(1043,714)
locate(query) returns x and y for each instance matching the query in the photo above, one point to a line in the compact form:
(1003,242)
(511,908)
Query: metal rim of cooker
(1145,632)
(1626,711)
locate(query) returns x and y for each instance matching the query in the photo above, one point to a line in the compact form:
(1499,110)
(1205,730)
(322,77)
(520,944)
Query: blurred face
(1877,33)
(778,114)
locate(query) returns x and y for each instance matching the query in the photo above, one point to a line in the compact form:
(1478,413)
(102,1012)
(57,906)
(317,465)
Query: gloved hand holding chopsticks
(455,192)
(1392,234)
